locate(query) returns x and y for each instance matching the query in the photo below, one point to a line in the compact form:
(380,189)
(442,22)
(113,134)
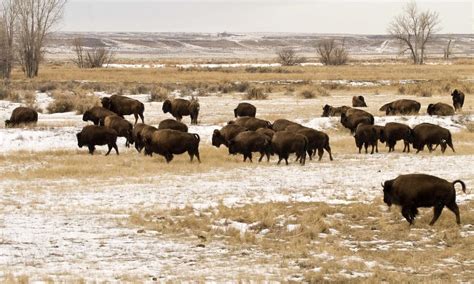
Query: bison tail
(462,184)
(198,138)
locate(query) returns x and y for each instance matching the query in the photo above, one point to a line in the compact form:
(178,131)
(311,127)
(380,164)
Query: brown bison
(358,101)
(181,107)
(167,142)
(245,109)
(365,136)
(122,126)
(282,124)
(141,132)
(440,109)
(250,141)
(122,105)
(334,111)
(394,131)
(285,142)
(266,131)
(402,107)
(92,135)
(429,134)
(22,115)
(420,190)
(225,134)
(97,115)
(379,130)
(318,141)
(353,117)
(173,124)
(251,123)
(458,99)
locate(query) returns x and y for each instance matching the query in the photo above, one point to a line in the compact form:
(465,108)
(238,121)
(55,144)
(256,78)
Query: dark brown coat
(458,99)
(333,111)
(420,190)
(141,132)
(181,107)
(97,115)
(122,105)
(173,124)
(251,123)
(92,135)
(167,142)
(285,142)
(353,117)
(266,131)
(366,135)
(22,115)
(250,141)
(394,131)
(358,101)
(282,124)
(429,134)
(245,109)
(225,134)
(122,126)
(402,107)
(318,141)
(440,109)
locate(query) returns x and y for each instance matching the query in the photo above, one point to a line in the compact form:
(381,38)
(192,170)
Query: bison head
(79,140)
(86,116)
(326,110)
(166,106)
(7,123)
(387,192)
(455,93)
(430,109)
(217,139)
(232,147)
(106,103)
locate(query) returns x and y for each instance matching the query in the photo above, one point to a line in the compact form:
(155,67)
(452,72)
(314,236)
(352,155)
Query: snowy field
(69,227)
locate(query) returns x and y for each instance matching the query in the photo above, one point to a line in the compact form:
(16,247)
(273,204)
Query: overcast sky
(337,16)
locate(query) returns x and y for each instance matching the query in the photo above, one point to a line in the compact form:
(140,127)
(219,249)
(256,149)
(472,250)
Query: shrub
(158,94)
(46,87)
(321,92)
(255,94)
(425,92)
(331,54)
(402,89)
(4,92)
(69,101)
(288,57)
(308,94)
(140,89)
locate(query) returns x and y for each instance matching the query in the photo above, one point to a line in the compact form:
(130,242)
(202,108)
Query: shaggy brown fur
(122,105)
(250,141)
(92,135)
(97,115)
(167,142)
(245,109)
(173,124)
(181,107)
(441,109)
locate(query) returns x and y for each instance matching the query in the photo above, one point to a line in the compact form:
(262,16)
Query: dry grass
(77,100)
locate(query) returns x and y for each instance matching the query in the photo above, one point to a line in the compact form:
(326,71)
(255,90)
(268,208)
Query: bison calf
(22,115)
(93,135)
(420,190)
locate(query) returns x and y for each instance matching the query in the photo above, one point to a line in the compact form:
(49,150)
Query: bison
(285,142)
(358,101)
(266,131)
(440,109)
(402,107)
(245,109)
(225,134)
(431,134)
(420,190)
(366,135)
(141,132)
(282,124)
(92,135)
(353,117)
(97,115)
(167,142)
(122,126)
(251,123)
(458,99)
(317,140)
(122,105)
(173,124)
(334,111)
(250,141)
(22,115)
(394,131)
(181,107)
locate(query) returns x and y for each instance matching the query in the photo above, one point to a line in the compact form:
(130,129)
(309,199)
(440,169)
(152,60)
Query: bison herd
(248,134)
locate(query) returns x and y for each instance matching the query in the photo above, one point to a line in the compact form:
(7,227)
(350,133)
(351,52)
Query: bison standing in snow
(22,115)
(420,190)
(122,105)
(458,99)
(168,142)
(430,134)
(92,135)
(181,107)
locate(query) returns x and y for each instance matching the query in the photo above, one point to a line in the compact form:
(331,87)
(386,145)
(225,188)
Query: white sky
(337,16)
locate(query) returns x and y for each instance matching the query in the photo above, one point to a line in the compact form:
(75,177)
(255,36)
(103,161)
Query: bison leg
(328,149)
(406,212)
(320,154)
(450,144)
(454,207)
(262,154)
(437,212)
(310,154)
(136,118)
(366,146)
(360,149)
(168,157)
(141,117)
(91,149)
(373,149)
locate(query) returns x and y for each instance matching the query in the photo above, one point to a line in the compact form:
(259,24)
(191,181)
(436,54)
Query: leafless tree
(447,50)
(7,28)
(289,57)
(331,54)
(35,20)
(95,57)
(414,29)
